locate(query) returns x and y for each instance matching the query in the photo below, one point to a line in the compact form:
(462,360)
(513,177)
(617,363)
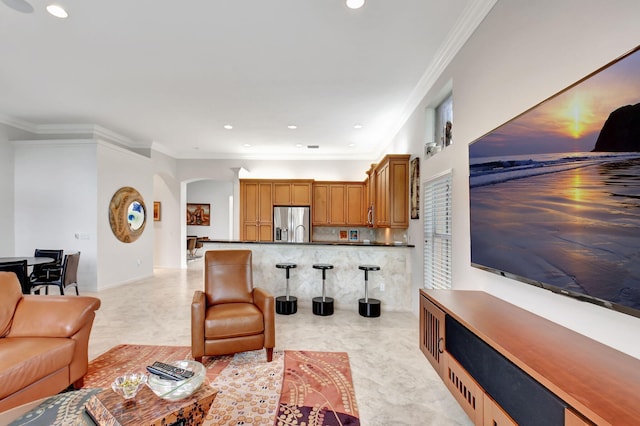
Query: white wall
(216,194)
(6,194)
(167,232)
(55,199)
(122,262)
(523,53)
(62,193)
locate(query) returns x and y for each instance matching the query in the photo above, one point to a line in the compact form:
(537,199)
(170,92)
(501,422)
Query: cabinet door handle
(440,340)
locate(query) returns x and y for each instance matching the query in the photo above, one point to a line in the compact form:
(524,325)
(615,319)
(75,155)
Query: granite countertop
(317,243)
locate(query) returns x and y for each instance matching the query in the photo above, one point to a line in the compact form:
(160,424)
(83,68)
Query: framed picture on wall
(343,235)
(354,235)
(156,211)
(414,173)
(198,214)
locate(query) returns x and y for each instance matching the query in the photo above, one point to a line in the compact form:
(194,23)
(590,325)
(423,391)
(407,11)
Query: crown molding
(469,20)
(18,124)
(84,130)
(158,147)
(93,130)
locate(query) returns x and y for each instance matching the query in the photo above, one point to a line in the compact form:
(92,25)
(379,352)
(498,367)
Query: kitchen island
(345,282)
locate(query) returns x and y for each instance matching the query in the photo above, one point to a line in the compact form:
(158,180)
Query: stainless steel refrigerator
(291,224)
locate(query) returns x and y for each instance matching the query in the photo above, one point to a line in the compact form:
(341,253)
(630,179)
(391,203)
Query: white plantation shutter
(437,232)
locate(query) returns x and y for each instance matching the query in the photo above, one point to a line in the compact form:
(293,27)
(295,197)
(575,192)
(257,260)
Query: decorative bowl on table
(128,385)
(174,390)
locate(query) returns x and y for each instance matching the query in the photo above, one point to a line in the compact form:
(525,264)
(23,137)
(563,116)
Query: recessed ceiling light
(292,127)
(355,4)
(357,126)
(351,145)
(57,11)
(228,126)
(247,145)
(299,145)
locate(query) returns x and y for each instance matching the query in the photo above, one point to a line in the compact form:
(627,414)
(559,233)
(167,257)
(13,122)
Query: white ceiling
(171,74)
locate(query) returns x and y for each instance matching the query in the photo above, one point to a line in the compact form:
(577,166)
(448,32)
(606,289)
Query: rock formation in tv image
(621,131)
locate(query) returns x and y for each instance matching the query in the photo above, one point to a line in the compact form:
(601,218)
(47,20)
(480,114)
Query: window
(444,122)
(440,127)
(437,232)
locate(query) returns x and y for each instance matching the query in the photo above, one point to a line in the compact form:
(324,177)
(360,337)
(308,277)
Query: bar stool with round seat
(323,306)
(286,305)
(368,307)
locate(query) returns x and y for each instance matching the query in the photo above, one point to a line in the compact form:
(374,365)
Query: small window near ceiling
(437,232)
(442,117)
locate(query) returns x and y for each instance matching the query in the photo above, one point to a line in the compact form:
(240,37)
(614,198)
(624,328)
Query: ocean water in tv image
(569,220)
(555,192)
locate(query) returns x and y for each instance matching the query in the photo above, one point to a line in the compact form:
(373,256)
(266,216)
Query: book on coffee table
(107,408)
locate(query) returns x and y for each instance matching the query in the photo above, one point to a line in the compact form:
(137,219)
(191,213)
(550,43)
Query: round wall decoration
(127,214)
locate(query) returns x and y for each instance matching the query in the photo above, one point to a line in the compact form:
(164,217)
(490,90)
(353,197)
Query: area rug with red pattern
(296,388)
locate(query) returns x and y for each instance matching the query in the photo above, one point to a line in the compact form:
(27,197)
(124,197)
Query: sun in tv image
(555,192)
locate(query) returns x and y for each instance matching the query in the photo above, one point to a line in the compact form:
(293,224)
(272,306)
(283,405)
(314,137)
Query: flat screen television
(555,192)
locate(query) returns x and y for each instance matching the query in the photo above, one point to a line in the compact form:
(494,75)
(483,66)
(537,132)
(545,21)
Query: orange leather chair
(230,315)
(43,342)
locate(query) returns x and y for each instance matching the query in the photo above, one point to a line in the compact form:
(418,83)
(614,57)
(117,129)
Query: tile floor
(394,383)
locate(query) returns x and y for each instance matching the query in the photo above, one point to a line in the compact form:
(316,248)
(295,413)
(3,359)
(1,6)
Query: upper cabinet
(389,188)
(355,203)
(292,193)
(338,203)
(381,201)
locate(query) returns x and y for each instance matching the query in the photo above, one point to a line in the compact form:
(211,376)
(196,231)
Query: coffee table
(109,408)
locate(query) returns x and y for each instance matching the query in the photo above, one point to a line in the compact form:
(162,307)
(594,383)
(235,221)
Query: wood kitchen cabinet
(320,205)
(391,189)
(256,210)
(328,204)
(355,204)
(338,203)
(382,200)
(382,196)
(292,193)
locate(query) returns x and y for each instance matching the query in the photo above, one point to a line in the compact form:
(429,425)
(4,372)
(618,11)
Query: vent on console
(466,393)
(431,338)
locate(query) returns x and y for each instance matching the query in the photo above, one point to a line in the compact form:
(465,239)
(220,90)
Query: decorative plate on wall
(127,214)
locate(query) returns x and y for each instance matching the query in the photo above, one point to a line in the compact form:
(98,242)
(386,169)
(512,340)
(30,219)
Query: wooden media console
(507,366)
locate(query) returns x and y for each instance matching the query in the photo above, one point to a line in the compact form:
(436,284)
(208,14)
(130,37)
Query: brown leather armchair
(231,315)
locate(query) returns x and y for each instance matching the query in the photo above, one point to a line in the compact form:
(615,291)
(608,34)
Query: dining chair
(18,267)
(47,271)
(191,247)
(68,277)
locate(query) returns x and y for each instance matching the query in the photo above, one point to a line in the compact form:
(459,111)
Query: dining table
(31,261)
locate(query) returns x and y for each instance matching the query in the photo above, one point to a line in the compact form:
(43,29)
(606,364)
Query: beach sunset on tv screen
(555,192)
